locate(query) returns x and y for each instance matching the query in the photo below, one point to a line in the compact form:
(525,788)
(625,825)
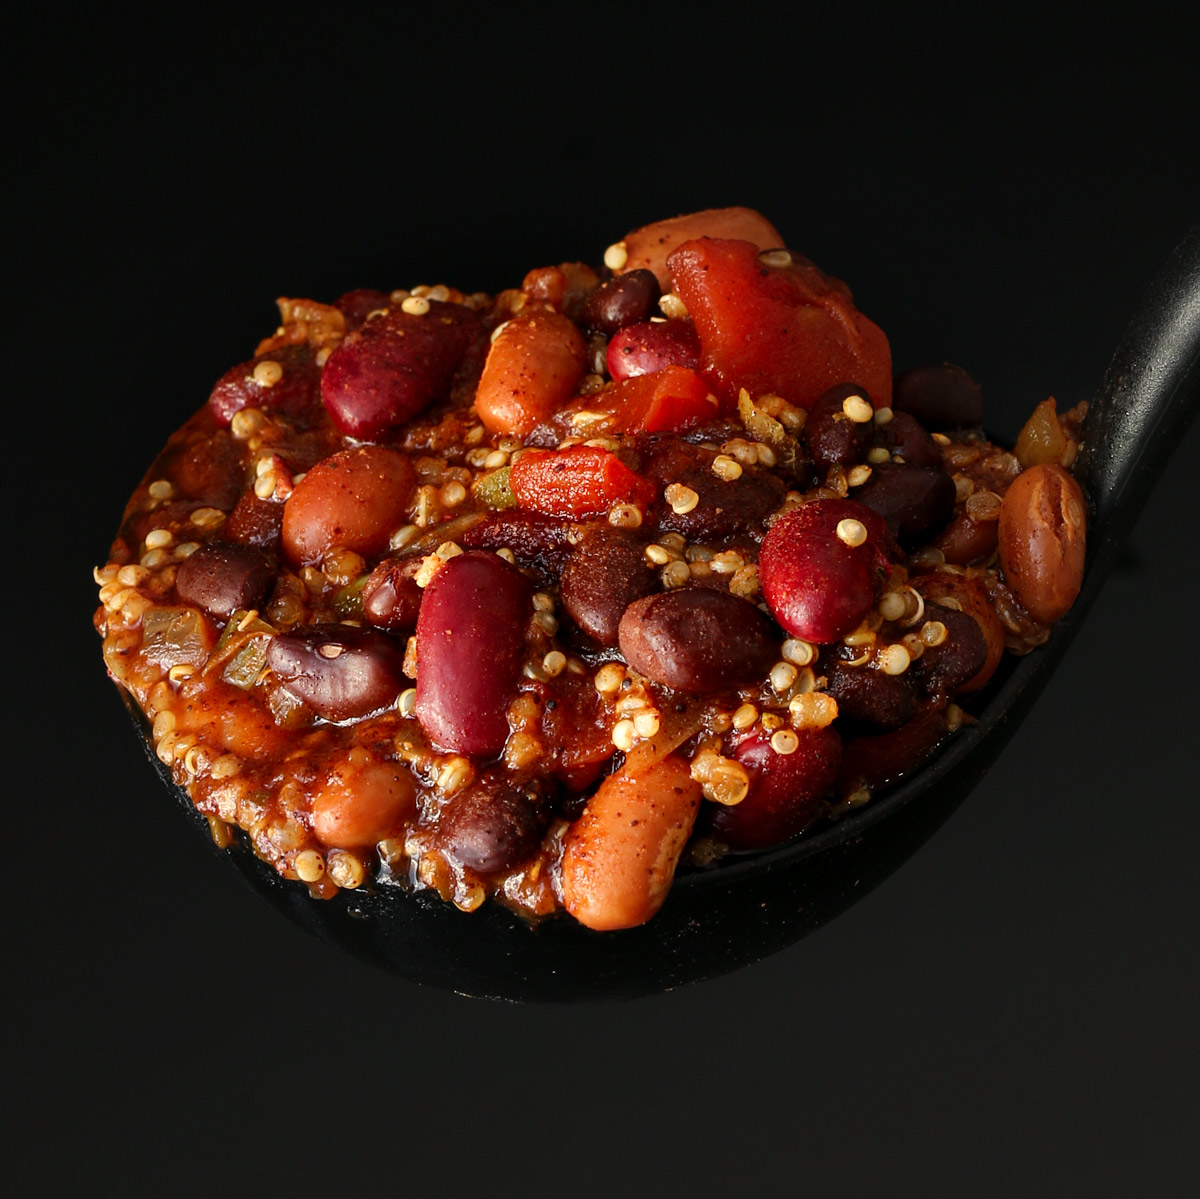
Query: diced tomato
(667,401)
(790,330)
(576,482)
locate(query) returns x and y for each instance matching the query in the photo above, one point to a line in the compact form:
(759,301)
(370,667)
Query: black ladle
(715,921)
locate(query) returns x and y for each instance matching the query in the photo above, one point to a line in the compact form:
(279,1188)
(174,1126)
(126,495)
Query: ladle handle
(1149,396)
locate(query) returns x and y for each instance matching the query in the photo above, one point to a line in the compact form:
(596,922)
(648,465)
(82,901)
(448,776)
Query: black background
(1013,1012)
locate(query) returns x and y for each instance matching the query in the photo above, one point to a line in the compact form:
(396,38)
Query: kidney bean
(965,542)
(785,789)
(620,856)
(817,585)
(358,304)
(942,670)
(914,500)
(908,440)
(971,596)
(648,347)
(624,300)
(222,577)
(940,396)
(535,539)
(360,802)
(725,508)
(831,436)
(285,380)
(871,697)
(533,367)
(494,824)
(255,522)
(355,499)
(394,367)
(648,248)
(470,643)
(1043,529)
(212,470)
(391,598)
(697,639)
(606,573)
(340,671)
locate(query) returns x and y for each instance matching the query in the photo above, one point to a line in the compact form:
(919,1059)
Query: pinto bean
(619,857)
(470,641)
(361,801)
(341,672)
(355,499)
(1043,529)
(606,573)
(495,823)
(696,639)
(533,367)
(222,577)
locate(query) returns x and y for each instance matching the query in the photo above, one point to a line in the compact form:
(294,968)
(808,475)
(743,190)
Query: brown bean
(354,499)
(697,639)
(495,823)
(361,801)
(620,856)
(533,367)
(1043,527)
(605,574)
(222,577)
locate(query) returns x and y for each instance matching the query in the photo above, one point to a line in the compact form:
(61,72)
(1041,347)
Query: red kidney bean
(914,500)
(908,440)
(211,470)
(965,542)
(725,508)
(626,300)
(222,577)
(943,669)
(940,396)
(340,671)
(696,639)
(292,393)
(394,367)
(256,522)
(649,346)
(605,574)
(817,585)
(357,305)
(496,823)
(536,540)
(785,789)
(470,643)
(831,436)
(391,598)
(871,697)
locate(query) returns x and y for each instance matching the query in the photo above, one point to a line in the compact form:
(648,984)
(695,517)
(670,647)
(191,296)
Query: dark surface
(1011,1012)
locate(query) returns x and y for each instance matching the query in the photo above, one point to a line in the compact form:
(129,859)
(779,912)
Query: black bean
(222,578)
(908,440)
(620,302)
(871,697)
(831,436)
(912,499)
(940,396)
(605,574)
(942,669)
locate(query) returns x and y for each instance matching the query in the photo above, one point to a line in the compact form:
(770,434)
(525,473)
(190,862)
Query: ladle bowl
(748,907)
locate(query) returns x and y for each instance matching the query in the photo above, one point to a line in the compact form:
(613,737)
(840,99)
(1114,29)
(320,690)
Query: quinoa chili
(539,597)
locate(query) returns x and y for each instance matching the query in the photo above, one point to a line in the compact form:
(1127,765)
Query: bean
(969,593)
(831,436)
(394,367)
(360,803)
(648,248)
(871,697)
(357,305)
(533,367)
(785,789)
(211,470)
(943,670)
(651,346)
(940,396)
(536,540)
(817,585)
(565,287)
(391,598)
(606,573)
(354,499)
(914,500)
(619,857)
(877,759)
(255,522)
(339,671)
(1043,530)
(292,392)
(222,577)
(622,301)
(697,639)
(965,542)
(470,644)
(908,441)
(494,824)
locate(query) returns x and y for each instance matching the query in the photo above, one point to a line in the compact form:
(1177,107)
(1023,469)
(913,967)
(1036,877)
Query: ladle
(717,920)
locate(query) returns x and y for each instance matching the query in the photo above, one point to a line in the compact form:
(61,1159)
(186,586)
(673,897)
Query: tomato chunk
(786,329)
(667,401)
(578,481)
